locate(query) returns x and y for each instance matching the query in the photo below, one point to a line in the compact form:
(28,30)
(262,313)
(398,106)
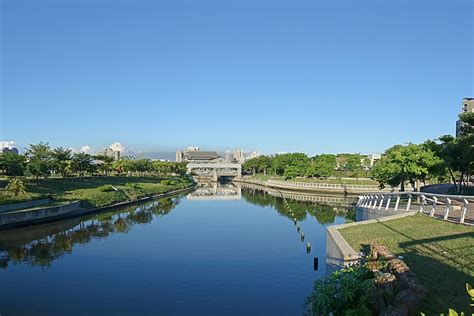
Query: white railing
(320,185)
(456,208)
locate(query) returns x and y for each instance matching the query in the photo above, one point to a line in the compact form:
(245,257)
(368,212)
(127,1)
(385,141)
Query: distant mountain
(160,155)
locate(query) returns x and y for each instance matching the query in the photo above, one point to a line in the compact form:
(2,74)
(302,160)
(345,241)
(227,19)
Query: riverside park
(310,158)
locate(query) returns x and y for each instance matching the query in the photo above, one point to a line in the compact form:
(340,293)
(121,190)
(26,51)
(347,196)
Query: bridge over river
(215,170)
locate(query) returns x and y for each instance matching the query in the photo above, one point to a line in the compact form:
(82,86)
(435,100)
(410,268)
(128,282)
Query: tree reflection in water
(41,245)
(323,213)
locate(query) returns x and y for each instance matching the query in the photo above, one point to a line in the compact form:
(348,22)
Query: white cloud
(118,147)
(7,144)
(86,149)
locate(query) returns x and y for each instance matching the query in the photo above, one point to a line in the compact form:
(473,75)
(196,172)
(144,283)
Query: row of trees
(300,165)
(446,159)
(41,161)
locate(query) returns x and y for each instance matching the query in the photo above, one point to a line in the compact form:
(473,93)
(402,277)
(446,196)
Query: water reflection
(300,204)
(42,244)
(208,191)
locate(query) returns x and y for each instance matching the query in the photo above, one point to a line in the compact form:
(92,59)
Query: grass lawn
(89,190)
(317,180)
(440,253)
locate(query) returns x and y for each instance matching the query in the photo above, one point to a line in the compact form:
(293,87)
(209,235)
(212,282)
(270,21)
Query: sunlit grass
(88,189)
(440,253)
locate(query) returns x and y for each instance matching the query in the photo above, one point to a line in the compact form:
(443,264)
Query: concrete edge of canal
(40,215)
(338,251)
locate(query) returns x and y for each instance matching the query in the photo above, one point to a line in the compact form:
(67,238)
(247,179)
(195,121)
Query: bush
(346,292)
(132,185)
(168,182)
(106,188)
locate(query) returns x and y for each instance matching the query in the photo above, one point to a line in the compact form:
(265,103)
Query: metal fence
(456,208)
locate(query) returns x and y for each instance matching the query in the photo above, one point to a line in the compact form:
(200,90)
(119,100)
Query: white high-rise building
(466,107)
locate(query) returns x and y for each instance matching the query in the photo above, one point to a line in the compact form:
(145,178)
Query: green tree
(16,186)
(341,162)
(106,164)
(12,164)
(366,166)
(123,165)
(467,126)
(82,163)
(61,160)
(251,165)
(295,164)
(39,160)
(354,164)
(323,166)
(142,166)
(405,163)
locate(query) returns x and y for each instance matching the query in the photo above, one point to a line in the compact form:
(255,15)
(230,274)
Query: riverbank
(317,187)
(96,197)
(329,180)
(94,192)
(440,253)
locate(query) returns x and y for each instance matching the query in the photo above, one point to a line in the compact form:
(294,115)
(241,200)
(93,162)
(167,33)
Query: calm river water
(221,250)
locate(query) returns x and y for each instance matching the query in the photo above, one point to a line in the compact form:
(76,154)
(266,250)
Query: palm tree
(61,158)
(16,186)
(39,157)
(106,163)
(82,163)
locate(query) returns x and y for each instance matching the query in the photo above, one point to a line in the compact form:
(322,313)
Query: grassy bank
(318,180)
(440,253)
(98,191)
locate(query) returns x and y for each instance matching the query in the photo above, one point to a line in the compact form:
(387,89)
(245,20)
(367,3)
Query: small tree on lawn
(16,186)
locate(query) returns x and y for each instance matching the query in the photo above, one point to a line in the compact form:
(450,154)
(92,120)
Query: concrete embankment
(45,214)
(24,205)
(338,251)
(352,189)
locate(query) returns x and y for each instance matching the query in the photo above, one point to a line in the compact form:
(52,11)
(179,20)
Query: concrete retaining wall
(64,213)
(37,214)
(338,251)
(23,205)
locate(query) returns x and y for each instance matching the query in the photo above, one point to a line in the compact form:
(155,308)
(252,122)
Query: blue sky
(312,76)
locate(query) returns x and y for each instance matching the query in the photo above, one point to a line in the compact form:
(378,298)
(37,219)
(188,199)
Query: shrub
(346,292)
(106,188)
(16,186)
(168,182)
(132,185)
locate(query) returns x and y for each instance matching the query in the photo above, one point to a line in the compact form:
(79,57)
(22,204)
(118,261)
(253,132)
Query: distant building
(373,158)
(193,154)
(110,153)
(179,156)
(12,150)
(238,155)
(228,156)
(466,107)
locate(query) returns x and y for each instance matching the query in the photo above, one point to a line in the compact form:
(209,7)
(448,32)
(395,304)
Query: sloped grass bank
(440,253)
(98,191)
